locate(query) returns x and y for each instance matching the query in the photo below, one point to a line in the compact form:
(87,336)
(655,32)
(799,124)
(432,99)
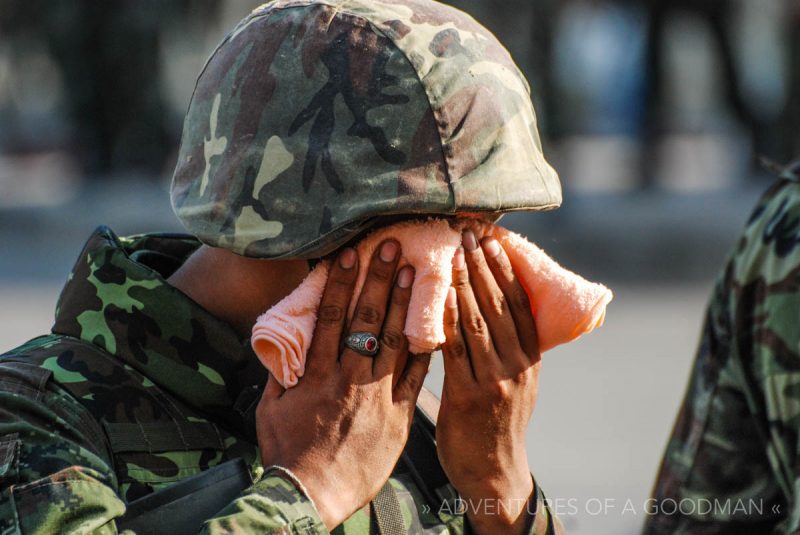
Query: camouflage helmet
(314,120)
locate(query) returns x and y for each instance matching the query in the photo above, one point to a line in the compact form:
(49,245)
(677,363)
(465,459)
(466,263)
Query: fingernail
(458,258)
(347,258)
(451,301)
(469,241)
(405,277)
(491,247)
(388,251)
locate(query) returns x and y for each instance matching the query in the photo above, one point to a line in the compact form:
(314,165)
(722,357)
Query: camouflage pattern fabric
(731,465)
(138,388)
(314,119)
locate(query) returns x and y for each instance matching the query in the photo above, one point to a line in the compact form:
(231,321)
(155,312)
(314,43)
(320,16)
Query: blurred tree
(109,55)
(717,15)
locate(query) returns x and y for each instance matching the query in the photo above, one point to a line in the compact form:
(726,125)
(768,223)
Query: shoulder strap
(182,507)
(420,454)
(419,458)
(386,508)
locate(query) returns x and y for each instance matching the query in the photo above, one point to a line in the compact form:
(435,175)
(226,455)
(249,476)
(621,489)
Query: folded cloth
(564,305)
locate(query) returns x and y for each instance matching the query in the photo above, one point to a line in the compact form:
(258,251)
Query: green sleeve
(731,463)
(272,505)
(448,519)
(542,521)
(55,476)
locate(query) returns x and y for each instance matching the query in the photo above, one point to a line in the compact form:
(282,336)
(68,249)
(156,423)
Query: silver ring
(364,343)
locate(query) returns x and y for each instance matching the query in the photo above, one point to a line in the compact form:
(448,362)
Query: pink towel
(564,304)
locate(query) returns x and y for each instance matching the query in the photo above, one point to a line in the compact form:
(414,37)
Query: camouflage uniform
(731,465)
(137,388)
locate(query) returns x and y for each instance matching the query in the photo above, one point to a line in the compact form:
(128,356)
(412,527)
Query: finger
(274,389)
(491,301)
(457,366)
(371,308)
(516,297)
(394,344)
(324,351)
(408,387)
(482,355)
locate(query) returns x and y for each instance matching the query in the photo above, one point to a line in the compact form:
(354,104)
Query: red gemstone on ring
(371,344)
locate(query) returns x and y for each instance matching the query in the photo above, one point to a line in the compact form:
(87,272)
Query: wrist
(500,507)
(510,476)
(499,502)
(326,504)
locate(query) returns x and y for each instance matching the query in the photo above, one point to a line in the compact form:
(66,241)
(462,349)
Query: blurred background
(656,113)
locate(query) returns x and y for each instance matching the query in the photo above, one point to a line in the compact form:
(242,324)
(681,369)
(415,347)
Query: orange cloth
(564,304)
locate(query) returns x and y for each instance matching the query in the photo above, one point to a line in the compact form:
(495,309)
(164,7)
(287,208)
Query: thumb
(274,389)
(410,383)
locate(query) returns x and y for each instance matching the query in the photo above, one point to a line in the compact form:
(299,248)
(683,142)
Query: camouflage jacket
(732,464)
(137,388)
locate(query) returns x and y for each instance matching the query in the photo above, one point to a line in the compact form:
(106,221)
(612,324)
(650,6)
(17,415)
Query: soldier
(311,123)
(731,464)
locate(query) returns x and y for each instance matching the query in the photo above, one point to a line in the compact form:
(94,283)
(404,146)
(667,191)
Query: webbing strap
(162,436)
(386,508)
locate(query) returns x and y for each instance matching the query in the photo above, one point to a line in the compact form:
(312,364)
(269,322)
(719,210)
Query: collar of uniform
(118,299)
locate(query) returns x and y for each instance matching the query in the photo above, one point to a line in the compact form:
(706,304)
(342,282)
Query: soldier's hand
(491,362)
(343,427)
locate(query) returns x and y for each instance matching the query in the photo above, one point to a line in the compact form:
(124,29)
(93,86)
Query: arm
(734,444)
(492,363)
(56,475)
(342,429)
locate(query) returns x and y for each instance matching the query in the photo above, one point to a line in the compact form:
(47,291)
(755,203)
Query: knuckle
(329,314)
(456,349)
(500,390)
(451,325)
(475,256)
(475,324)
(497,304)
(381,273)
(461,283)
(412,383)
(393,339)
(369,314)
(502,265)
(401,297)
(482,268)
(519,298)
(343,393)
(523,377)
(341,280)
(461,280)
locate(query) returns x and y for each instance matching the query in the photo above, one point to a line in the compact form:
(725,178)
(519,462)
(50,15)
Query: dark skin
(352,414)
(362,406)
(491,362)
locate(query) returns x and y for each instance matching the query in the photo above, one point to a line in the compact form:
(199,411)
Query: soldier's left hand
(491,362)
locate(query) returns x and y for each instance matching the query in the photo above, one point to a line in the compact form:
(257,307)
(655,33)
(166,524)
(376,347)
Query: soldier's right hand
(342,428)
